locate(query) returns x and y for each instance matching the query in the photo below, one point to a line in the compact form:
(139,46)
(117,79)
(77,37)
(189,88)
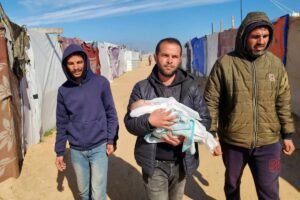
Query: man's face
(168,58)
(257,41)
(75,65)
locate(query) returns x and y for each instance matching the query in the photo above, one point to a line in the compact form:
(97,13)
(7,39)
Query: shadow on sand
(69,174)
(125,182)
(290,164)
(193,190)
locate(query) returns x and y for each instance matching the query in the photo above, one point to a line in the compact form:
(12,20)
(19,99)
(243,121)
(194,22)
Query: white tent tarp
(32,124)
(212,51)
(49,74)
(105,61)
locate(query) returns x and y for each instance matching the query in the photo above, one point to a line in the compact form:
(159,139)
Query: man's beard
(162,72)
(257,54)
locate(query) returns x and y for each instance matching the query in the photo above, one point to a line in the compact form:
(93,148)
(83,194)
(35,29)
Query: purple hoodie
(85,113)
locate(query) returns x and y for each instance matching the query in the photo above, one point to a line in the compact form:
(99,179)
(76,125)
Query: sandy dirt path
(39,178)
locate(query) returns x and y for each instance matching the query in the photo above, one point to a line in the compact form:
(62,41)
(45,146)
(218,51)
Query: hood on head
(252,21)
(71,50)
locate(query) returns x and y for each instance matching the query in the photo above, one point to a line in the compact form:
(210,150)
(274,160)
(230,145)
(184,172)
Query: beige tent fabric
(293,62)
(9,115)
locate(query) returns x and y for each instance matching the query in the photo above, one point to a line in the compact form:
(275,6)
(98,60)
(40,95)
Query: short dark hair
(77,53)
(168,40)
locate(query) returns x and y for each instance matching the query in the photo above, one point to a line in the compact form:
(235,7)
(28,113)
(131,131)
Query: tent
(293,62)
(47,75)
(30,75)
(12,37)
(105,61)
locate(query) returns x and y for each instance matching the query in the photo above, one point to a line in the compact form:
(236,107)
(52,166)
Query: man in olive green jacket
(248,96)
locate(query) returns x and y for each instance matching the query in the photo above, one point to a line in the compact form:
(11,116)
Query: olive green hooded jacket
(249,97)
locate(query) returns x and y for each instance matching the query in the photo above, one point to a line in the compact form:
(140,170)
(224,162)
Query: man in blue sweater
(85,117)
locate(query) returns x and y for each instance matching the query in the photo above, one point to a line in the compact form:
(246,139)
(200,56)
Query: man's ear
(155,57)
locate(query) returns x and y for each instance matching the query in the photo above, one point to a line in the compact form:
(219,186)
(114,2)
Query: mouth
(259,48)
(169,67)
(77,73)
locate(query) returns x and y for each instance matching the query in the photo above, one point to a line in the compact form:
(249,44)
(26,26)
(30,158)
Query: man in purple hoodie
(85,117)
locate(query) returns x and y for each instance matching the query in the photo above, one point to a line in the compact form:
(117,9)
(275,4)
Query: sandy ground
(39,178)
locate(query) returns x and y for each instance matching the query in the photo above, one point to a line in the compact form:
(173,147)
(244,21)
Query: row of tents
(201,53)
(30,74)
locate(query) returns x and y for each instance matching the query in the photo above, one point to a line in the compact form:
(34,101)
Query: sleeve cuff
(111,142)
(286,136)
(150,127)
(60,154)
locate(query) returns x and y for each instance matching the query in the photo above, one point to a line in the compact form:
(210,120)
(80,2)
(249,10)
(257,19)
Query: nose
(260,40)
(170,59)
(76,66)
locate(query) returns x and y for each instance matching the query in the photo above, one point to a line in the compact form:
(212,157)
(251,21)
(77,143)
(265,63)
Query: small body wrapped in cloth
(187,123)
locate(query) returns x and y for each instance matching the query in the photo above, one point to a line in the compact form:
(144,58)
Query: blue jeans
(264,163)
(91,172)
(167,182)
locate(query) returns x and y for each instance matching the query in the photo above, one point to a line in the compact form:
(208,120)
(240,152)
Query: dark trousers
(264,163)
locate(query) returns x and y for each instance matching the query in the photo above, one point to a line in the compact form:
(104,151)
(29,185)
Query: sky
(139,24)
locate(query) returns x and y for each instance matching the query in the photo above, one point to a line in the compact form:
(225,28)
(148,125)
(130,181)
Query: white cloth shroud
(187,124)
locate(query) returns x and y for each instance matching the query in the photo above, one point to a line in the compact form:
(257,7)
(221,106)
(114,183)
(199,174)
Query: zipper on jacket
(254,102)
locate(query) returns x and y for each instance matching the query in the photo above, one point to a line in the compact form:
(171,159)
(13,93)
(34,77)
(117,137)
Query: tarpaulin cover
(65,42)
(9,115)
(226,42)
(31,108)
(293,62)
(198,62)
(212,51)
(105,61)
(279,43)
(92,52)
(114,55)
(49,74)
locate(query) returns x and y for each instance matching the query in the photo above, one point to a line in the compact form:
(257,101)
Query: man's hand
(60,164)
(110,148)
(170,139)
(217,150)
(161,118)
(288,147)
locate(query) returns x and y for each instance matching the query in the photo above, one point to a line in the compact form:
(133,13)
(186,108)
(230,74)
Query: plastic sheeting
(135,59)
(105,61)
(189,56)
(184,60)
(122,61)
(31,108)
(92,51)
(226,41)
(49,75)
(279,43)
(212,51)
(293,62)
(199,49)
(65,42)
(114,61)
(9,116)
(128,58)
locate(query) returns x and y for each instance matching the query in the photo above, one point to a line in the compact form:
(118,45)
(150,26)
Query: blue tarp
(199,58)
